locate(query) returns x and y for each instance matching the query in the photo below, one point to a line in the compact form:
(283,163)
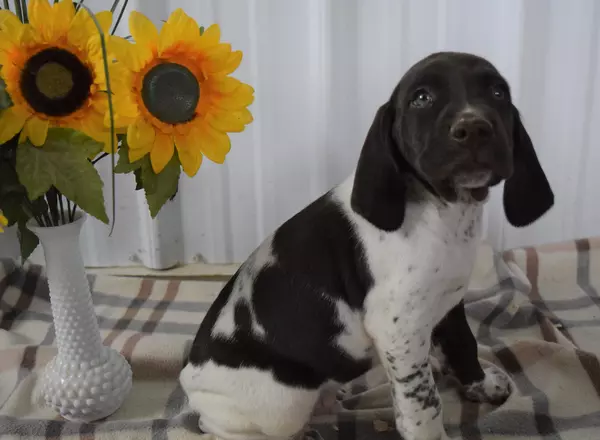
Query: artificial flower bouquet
(71,93)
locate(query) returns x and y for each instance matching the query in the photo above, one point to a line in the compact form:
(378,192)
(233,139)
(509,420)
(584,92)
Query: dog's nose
(471,128)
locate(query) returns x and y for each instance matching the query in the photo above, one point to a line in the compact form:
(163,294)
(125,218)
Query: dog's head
(450,123)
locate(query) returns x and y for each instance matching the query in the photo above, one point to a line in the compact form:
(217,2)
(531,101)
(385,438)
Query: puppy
(377,267)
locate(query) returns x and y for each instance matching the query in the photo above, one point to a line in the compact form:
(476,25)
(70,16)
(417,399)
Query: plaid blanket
(535,312)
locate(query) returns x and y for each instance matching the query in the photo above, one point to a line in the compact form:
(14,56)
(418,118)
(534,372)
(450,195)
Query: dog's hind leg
(246,403)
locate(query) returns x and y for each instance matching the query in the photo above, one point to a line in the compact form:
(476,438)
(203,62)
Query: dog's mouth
(473,179)
(476,183)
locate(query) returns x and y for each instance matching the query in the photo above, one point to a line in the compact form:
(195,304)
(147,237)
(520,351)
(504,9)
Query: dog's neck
(384,183)
(420,192)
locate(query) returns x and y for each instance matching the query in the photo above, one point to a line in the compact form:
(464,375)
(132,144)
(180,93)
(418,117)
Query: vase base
(87,391)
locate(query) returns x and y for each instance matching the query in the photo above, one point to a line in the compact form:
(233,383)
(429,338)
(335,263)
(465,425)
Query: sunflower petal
(93,126)
(245,116)
(216,59)
(180,27)
(63,12)
(11,122)
(37,130)
(188,148)
(142,29)
(124,108)
(242,97)
(135,155)
(190,159)
(214,144)
(5,45)
(222,84)
(10,26)
(40,15)
(162,152)
(128,54)
(82,27)
(121,120)
(28,36)
(9,19)
(229,121)
(104,20)
(232,63)
(210,37)
(140,134)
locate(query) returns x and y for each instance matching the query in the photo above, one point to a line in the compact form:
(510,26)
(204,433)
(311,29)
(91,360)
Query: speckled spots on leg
(418,374)
(390,358)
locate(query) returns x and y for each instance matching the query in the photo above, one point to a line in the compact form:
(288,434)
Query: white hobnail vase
(86,380)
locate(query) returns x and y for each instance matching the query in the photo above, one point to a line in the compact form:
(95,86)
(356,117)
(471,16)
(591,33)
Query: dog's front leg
(401,327)
(459,347)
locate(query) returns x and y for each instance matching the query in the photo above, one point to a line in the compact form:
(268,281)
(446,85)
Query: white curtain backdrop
(320,69)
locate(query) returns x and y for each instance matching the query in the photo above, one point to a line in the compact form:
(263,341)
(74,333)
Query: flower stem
(52,198)
(18,10)
(111,112)
(28,209)
(47,219)
(119,17)
(69,211)
(6,5)
(62,208)
(24,11)
(99,158)
(114,6)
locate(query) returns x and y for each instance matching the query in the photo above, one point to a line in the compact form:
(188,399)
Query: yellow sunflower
(176,92)
(53,72)
(3,222)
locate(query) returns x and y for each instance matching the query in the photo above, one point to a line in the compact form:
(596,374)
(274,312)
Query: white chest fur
(427,263)
(420,272)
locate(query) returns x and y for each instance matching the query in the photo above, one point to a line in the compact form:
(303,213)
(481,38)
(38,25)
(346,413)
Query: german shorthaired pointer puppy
(375,268)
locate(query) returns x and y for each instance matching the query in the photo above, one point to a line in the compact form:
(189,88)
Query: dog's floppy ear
(379,192)
(527,193)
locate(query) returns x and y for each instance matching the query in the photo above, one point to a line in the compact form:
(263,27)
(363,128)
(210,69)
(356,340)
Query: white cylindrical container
(86,380)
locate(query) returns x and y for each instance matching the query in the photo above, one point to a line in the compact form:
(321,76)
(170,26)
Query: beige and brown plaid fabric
(535,312)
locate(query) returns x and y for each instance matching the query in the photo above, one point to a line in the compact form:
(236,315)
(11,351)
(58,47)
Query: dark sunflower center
(55,82)
(170,93)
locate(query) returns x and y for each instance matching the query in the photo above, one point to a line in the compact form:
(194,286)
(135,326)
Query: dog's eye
(421,99)
(499,92)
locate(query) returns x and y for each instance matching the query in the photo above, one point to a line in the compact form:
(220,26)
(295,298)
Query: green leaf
(13,196)
(66,166)
(138,179)
(75,138)
(13,206)
(201,30)
(166,184)
(149,178)
(123,165)
(91,146)
(28,241)
(39,206)
(9,181)
(5,101)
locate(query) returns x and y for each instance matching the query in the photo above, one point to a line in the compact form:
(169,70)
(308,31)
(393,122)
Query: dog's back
(287,322)
(291,318)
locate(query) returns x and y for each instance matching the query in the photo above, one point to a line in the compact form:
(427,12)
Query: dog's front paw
(494,388)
